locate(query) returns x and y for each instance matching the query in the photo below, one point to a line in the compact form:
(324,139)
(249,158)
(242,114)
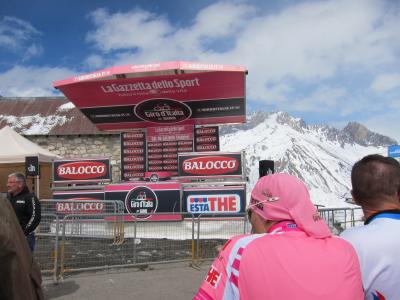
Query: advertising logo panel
(79,206)
(206,139)
(220,201)
(225,203)
(133,155)
(192,98)
(81,170)
(141,200)
(79,202)
(164,111)
(169,133)
(210,164)
(394,151)
(145,198)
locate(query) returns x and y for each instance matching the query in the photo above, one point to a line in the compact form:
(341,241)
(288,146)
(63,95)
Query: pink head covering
(285,197)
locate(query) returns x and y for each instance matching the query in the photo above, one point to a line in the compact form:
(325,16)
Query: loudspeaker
(266,167)
(32,167)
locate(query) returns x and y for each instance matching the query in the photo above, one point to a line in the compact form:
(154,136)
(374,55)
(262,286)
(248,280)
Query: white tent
(14,148)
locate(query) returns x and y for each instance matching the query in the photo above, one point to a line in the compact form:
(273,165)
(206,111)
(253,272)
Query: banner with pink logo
(123,102)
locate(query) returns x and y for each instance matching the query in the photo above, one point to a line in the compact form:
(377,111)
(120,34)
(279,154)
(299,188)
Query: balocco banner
(79,206)
(80,202)
(211,164)
(81,170)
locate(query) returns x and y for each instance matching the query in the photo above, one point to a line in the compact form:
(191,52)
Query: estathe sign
(217,201)
(209,164)
(224,203)
(81,170)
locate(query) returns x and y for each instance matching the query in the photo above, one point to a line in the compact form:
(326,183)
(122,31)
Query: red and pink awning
(169,93)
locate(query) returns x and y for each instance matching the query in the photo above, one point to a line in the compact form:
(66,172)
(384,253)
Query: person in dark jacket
(26,206)
(20,276)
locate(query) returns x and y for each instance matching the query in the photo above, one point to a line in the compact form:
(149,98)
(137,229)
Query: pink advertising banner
(193,98)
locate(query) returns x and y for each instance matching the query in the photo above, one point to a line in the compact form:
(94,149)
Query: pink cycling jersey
(285,263)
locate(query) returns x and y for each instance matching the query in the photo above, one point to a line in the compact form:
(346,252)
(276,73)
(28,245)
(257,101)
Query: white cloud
(386,82)
(303,43)
(94,62)
(134,29)
(140,36)
(19,36)
(23,81)
(313,44)
(32,51)
(323,99)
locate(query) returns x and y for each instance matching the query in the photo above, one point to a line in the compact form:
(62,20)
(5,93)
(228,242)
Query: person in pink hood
(291,255)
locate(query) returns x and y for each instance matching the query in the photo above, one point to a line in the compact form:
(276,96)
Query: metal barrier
(79,242)
(339,219)
(49,232)
(212,233)
(47,244)
(140,242)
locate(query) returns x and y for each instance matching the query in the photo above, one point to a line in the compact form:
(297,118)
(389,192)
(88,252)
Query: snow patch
(66,107)
(35,124)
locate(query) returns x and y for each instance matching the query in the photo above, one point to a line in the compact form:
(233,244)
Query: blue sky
(327,62)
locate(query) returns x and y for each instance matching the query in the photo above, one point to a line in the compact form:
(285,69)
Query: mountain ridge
(321,155)
(353,132)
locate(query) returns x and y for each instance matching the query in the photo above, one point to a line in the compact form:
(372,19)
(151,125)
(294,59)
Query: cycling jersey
(285,263)
(377,245)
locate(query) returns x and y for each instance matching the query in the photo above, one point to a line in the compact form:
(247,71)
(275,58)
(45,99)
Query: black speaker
(266,167)
(32,167)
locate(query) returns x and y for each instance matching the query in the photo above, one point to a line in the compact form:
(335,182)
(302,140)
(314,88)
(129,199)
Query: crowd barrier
(69,240)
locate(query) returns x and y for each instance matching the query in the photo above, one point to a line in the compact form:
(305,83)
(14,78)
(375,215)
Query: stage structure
(168,115)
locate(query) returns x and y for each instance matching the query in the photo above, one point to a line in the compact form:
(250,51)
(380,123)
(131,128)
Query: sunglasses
(258,204)
(255,203)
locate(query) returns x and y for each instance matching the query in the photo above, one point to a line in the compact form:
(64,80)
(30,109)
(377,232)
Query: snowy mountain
(321,156)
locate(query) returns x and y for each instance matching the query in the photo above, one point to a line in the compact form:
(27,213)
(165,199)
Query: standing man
(26,206)
(375,181)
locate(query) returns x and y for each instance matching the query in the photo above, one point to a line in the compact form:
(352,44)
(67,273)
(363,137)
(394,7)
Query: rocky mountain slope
(322,156)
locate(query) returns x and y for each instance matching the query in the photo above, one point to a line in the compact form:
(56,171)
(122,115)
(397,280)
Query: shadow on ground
(54,291)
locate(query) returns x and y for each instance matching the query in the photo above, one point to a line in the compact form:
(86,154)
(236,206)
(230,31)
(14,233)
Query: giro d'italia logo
(141,201)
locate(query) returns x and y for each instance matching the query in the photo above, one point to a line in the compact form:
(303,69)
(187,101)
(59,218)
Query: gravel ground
(84,252)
